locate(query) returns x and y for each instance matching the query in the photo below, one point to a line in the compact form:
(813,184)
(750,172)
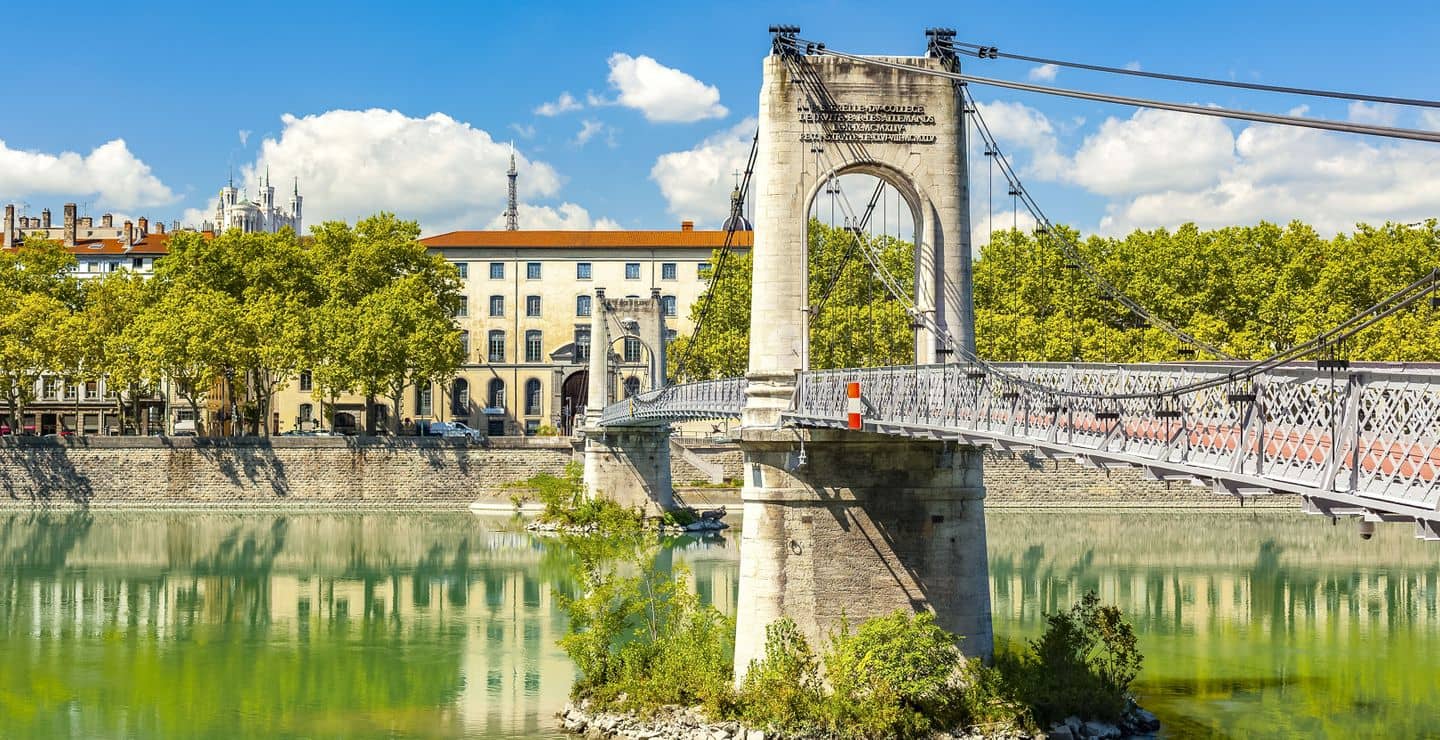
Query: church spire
(512,207)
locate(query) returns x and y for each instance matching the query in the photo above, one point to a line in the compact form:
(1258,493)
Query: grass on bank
(642,641)
(567,505)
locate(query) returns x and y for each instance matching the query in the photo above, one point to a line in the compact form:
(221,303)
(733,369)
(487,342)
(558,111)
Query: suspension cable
(992,52)
(849,252)
(1071,250)
(1388,306)
(1242,115)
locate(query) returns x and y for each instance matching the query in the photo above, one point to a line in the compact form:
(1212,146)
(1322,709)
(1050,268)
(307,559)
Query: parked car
(185,428)
(453,429)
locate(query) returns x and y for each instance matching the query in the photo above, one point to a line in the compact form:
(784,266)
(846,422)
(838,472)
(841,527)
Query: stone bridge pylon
(840,523)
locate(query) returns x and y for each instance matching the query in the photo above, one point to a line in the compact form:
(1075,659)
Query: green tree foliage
(860,324)
(189,337)
(36,330)
(1251,290)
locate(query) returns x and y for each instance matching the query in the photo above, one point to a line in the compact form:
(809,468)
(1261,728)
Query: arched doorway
(573,394)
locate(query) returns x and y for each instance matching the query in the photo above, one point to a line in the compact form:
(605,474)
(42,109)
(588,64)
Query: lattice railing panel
(709,399)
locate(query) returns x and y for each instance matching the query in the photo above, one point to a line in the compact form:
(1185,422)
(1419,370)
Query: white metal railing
(708,399)
(1368,433)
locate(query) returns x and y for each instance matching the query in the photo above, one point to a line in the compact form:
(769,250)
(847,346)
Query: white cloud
(563,104)
(351,163)
(663,94)
(982,225)
(1430,119)
(244,136)
(1153,150)
(1133,66)
(1378,114)
(564,217)
(1043,73)
(110,175)
(595,100)
(525,132)
(1328,180)
(588,130)
(696,182)
(1018,127)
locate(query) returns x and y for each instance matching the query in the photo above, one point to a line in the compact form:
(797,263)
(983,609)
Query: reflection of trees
(40,541)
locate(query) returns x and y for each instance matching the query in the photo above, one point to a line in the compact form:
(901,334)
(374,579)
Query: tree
(188,338)
(31,334)
(112,303)
(860,324)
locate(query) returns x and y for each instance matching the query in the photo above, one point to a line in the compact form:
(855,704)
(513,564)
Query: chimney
(687,225)
(45,219)
(144,227)
(87,223)
(160,227)
(70,223)
(107,221)
(9,238)
(129,234)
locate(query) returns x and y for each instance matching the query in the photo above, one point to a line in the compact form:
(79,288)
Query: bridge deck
(1365,441)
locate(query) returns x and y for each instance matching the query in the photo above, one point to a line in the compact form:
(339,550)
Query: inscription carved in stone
(881,124)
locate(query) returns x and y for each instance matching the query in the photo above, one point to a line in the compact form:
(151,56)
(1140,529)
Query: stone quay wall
(351,472)
(347,472)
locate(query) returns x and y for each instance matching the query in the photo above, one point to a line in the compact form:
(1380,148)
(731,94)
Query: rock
(755,735)
(1060,731)
(1075,724)
(1146,720)
(1101,730)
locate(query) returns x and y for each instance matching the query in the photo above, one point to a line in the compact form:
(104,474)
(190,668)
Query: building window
(702,270)
(532,428)
(497,270)
(582,305)
(533,346)
(137,263)
(632,386)
(460,397)
(632,270)
(632,349)
(582,270)
(111,266)
(582,345)
(307,412)
(532,305)
(670,335)
(532,270)
(667,305)
(532,397)
(307,381)
(463,309)
(497,345)
(497,393)
(497,305)
(423,398)
(463,268)
(465,344)
(667,270)
(92,390)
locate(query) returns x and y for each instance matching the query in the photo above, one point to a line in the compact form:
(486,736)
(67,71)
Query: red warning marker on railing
(852,404)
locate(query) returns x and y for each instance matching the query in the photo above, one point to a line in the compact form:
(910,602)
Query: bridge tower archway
(821,117)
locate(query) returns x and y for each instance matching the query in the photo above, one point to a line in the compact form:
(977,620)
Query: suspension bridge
(863,491)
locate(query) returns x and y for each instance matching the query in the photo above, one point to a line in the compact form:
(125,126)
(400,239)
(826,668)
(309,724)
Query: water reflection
(1253,625)
(212,624)
(215,624)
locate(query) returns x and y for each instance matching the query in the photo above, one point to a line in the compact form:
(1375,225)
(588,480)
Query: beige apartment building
(526,317)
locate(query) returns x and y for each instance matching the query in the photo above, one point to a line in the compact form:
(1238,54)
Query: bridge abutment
(867,525)
(629,465)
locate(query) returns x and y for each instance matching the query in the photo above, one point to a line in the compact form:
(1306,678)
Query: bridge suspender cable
(991,52)
(1405,297)
(1201,110)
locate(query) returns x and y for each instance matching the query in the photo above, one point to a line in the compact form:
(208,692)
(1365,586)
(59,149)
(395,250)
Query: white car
(454,429)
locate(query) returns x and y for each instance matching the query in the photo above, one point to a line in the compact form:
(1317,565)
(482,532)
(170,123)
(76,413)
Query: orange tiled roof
(587,239)
(150,244)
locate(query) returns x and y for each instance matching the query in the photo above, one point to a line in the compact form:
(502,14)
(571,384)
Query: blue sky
(140,109)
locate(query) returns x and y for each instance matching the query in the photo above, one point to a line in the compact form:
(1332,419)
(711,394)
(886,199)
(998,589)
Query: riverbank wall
(379,473)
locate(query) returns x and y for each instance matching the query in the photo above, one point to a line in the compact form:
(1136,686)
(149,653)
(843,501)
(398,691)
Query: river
(186,624)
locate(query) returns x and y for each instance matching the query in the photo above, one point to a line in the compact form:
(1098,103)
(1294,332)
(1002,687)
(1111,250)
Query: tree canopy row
(366,309)
(1249,290)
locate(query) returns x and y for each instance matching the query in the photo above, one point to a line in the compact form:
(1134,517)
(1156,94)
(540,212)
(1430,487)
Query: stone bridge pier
(864,525)
(629,465)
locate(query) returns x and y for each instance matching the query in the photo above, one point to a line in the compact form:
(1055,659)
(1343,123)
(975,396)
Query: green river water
(185,624)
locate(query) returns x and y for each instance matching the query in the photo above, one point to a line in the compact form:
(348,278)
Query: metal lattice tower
(512,209)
